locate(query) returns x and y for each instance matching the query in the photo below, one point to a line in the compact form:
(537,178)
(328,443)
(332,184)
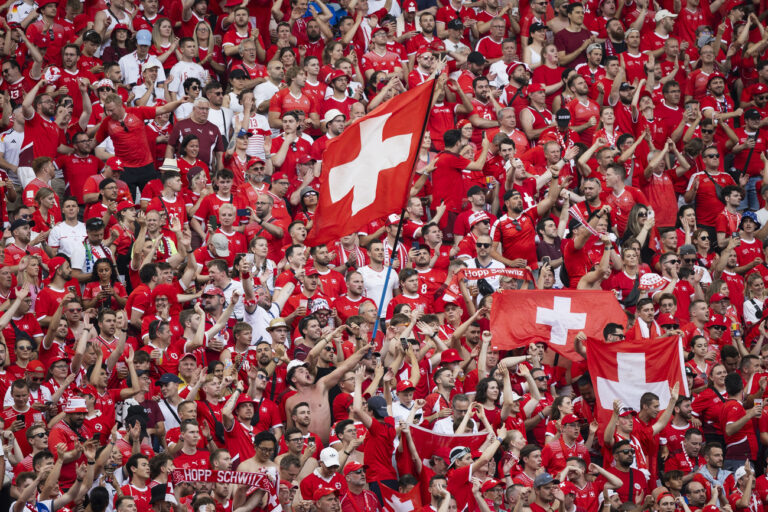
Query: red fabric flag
(401,502)
(428,443)
(625,370)
(366,171)
(522,317)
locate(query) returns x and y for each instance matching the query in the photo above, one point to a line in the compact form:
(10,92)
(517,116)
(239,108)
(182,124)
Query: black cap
(476,58)
(20,222)
(167,378)
(752,113)
(563,117)
(626,86)
(455,24)
(475,189)
(94,224)
(238,73)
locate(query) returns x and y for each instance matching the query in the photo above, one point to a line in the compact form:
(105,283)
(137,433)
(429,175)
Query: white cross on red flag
(521,317)
(624,371)
(366,171)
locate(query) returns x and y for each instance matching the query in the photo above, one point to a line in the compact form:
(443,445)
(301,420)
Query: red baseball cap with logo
(405,384)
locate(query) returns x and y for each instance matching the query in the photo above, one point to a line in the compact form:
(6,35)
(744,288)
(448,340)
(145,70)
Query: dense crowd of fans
(163,311)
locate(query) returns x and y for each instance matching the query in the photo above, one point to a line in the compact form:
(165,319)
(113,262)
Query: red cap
(35,366)
(568,419)
(392,219)
(717,297)
(305,159)
(409,6)
(121,26)
(193,355)
(352,466)
(759,89)
(333,75)
(490,484)
(323,491)
(379,29)
(717,320)
(512,67)
(115,164)
(280,176)
(477,217)
(444,453)
(462,123)
(568,487)
(713,76)
(710,508)
(213,290)
(423,51)
(342,405)
(626,411)
(244,399)
(437,45)
(124,205)
(450,356)
(535,88)
(310,270)
(667,319)
(253,161)
(405,384)
(166,290)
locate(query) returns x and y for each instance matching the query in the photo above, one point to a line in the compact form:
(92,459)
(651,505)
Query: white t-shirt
(63,236)
(373,282)
(222,118)
(131,67)
(10,145)
(183,70)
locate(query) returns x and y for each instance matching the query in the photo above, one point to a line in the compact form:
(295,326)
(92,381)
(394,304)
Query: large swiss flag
(366,172)
(624,371)
(521,317)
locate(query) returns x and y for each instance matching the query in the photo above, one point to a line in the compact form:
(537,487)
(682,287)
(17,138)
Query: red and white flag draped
(522,317)
(401,501)
(625,370)
(366,172)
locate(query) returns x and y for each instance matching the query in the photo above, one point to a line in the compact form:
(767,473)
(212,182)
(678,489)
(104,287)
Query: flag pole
(402,220)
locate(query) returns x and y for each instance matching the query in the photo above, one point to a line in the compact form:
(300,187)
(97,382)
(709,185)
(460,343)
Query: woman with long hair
(709,404)
(686,224)
(288,57)
(487,396)
(642,228)
(165,44)
(29,274)
(537,39)
(121,43)
(754,298)
(208,52)
(607,128)
(263,267)
(197,188)
(332,52)
(551,74)
(701,362)
(124,231)
(189,150)
(47,214)
(104,290)
(701,240)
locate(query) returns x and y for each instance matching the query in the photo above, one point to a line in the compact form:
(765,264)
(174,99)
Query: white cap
(170,164)
(219,242)
(664,13)
(332,114)
(294,364)
(329,456)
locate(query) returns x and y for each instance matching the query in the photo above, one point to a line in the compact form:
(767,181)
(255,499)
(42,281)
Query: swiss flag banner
(522,317)
(428,442)
(624,371)
(366,171)
(401,501)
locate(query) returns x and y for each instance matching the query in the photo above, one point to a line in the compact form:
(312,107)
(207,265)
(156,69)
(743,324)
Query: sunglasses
(626,452)
(670,326)
(703,238)
(689,260)
(517,225)
(540,378)
(674,262)
(718,327)
(707,131)
(712,155)
(40,435)
(25,347)
(482,246)
(642,215)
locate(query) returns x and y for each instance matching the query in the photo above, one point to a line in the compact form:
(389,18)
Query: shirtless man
(266,446)
(316,393)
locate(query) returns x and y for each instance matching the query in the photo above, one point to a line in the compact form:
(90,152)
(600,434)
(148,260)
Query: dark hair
(733,384)
(451,138)
(611,328)
(185,142)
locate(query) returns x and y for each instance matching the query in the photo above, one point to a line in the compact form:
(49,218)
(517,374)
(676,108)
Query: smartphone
(416,246)
(243,212)
(249,258)
(546,260)
(97,436)
(71,289)
(404,343)
(20,417)
(213,222)
(311,439)
(735,235)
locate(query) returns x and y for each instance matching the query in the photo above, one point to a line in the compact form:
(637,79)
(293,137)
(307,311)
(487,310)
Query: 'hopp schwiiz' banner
(257,480)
